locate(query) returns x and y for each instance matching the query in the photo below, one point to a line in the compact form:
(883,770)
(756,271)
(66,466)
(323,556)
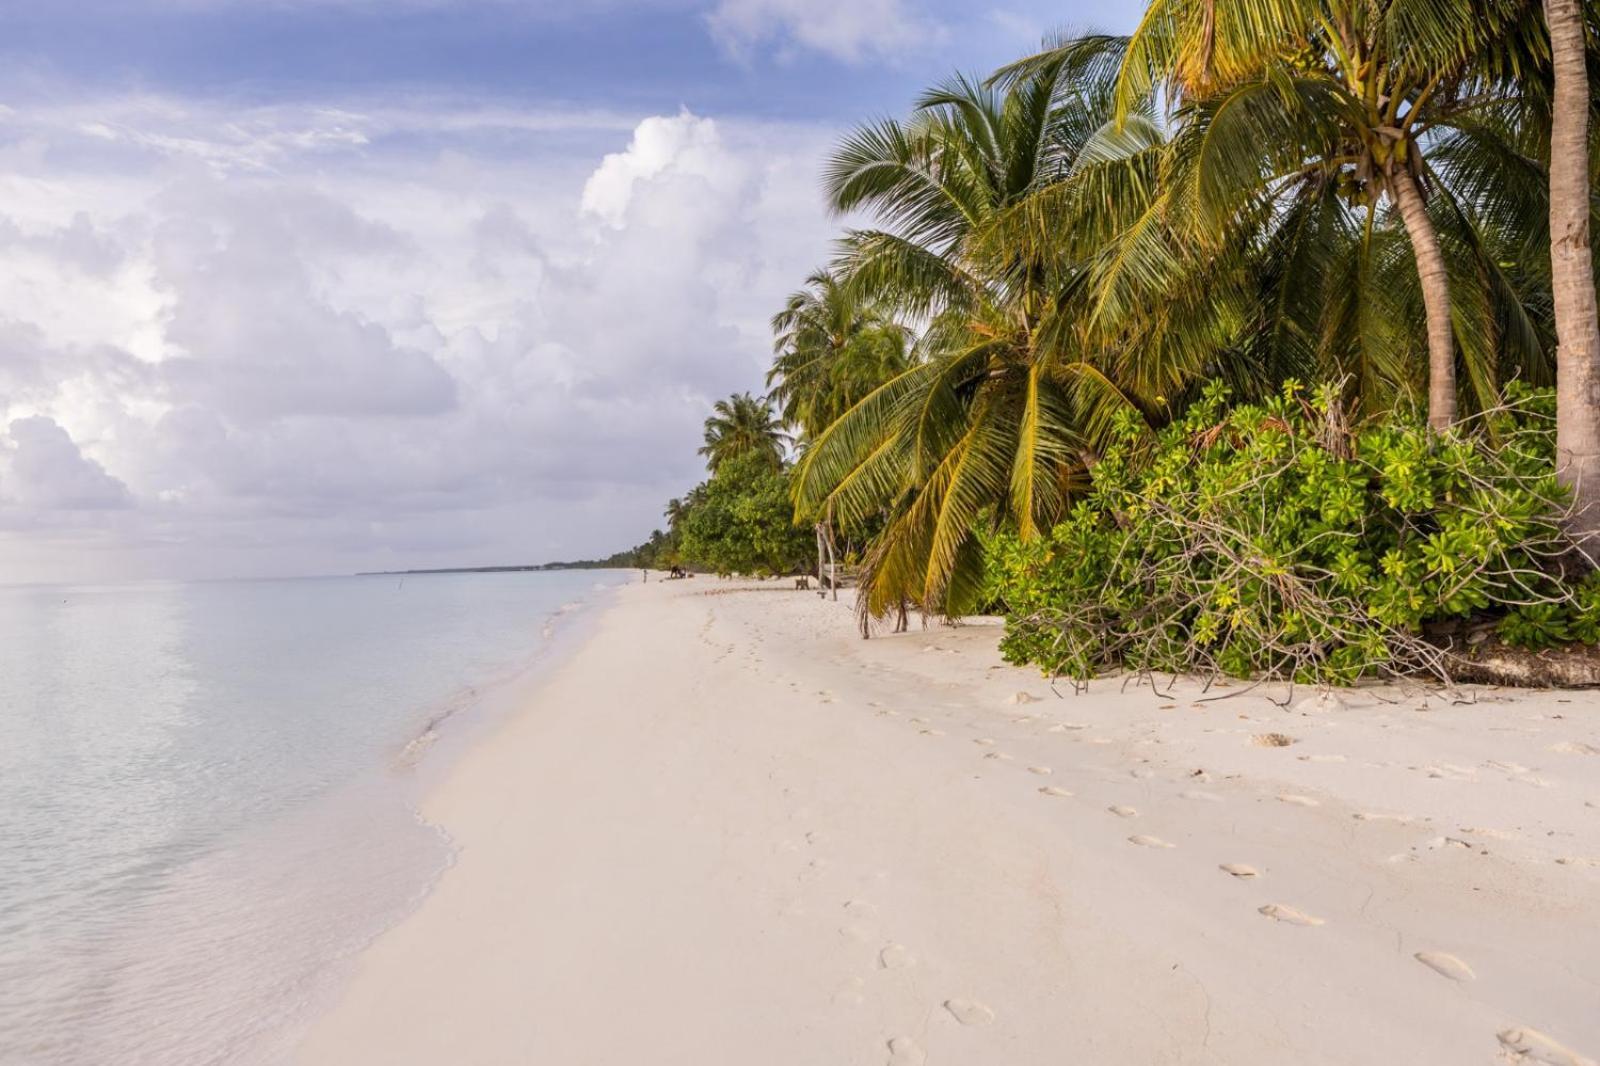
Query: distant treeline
(621,560)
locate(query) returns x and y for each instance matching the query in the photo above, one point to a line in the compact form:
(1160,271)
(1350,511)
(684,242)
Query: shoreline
(725,828)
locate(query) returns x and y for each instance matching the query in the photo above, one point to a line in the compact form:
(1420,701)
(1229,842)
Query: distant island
(620,561)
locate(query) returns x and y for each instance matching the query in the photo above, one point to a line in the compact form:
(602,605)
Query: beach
(728,830)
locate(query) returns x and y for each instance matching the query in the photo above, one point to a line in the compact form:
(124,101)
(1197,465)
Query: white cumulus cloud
(447,338)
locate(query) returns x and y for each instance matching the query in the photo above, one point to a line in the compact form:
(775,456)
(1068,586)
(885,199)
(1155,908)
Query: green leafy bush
(1275,541)
(741,521)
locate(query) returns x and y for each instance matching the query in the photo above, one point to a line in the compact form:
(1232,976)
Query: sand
(728,831)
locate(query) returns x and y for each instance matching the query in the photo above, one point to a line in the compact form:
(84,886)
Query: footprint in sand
(1298,801)
(1492,834)
(997,755)
(987,742)
(1149,842)
(1042,771)
(933,732)
(1280,912)
(860,908)
(1123,812)
(1271,740)
(904,1051)
(896,957)
(1575,747)
(1440,842)
(1379,816)
(1197,794)
(1239,870)
(851,993)
(969,1011)
(1446,965)
(1020,698)
(1530,1045)
(1052,790)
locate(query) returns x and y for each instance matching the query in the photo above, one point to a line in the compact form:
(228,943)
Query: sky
(317,286)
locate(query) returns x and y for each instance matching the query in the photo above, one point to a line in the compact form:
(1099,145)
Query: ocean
(208,792)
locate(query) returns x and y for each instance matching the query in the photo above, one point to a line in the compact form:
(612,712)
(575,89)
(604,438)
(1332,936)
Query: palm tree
(742,424)
(830,349)
(1013,378)
(1278,95)
(1572,272)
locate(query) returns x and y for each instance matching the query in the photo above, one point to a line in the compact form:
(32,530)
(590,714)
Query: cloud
(682,149)
(250,334)
(852,31)
(399,348)
(49,473)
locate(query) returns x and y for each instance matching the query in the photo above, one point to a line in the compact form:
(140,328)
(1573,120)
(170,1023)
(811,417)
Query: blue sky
(312,286)
(779,58)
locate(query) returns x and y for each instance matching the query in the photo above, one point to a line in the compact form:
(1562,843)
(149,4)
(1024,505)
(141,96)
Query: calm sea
(207,793)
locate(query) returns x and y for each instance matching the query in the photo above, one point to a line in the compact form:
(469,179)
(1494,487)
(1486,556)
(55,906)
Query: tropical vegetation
(1277,540)
(742,425)
(741,522)
(1070,327)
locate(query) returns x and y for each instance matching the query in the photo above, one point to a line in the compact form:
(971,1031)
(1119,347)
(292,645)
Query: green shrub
(1274,541)
(741,522)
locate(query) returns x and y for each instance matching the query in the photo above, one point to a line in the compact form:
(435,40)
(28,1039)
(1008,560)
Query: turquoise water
(207,793)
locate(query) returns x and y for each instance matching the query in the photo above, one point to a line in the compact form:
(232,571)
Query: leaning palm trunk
(1435,280)
(1572,277)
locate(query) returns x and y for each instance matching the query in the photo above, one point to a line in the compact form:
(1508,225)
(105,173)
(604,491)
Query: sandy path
(730,832)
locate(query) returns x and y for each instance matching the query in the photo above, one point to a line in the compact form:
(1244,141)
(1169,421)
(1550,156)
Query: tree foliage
(1274,540)
(831,348)
(1243,191)
(741,522)
(1058,352)
(743,425)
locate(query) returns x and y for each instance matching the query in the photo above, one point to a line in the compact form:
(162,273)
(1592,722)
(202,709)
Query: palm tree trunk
(1435,299)
(1572,277)
(833,570)
(822,588)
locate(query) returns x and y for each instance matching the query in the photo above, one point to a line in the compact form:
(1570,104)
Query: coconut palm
(1013,378)
(830,349)
(1281,100)
(742,424)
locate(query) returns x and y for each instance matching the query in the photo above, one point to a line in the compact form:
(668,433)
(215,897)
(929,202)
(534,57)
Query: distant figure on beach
(645,573)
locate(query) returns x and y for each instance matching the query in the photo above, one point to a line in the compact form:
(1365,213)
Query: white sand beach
(729,831)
